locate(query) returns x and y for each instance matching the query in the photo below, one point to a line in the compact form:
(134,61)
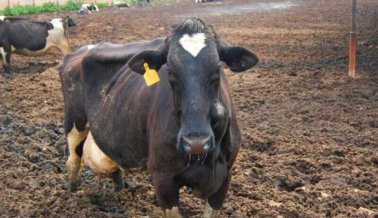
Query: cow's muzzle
(197,143)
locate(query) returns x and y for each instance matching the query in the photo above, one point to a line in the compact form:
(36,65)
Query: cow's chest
(205,180)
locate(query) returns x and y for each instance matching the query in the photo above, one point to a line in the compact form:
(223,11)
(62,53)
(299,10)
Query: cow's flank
(183,127)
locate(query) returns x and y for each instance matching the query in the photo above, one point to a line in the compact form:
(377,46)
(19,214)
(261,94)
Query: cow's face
(194,75)
(194,71)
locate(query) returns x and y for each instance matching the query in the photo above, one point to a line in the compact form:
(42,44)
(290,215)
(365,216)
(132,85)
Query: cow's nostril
(207,146)
(186,147)
(197,144)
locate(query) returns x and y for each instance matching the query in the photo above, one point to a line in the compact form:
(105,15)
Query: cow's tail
(65,27)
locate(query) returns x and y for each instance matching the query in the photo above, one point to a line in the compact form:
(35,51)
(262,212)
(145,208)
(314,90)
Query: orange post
(352,42)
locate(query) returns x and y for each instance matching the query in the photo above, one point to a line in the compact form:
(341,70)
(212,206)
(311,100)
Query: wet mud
(310,133)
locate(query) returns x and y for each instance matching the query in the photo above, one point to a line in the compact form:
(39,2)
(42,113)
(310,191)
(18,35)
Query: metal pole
(352,42)
(8,3)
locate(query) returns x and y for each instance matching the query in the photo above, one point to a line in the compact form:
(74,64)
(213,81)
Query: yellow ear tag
(150,76)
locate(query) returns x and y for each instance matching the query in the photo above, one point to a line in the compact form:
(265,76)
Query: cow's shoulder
(100,64)
(72,61)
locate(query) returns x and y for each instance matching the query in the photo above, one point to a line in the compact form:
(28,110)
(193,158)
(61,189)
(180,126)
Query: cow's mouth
(195,159)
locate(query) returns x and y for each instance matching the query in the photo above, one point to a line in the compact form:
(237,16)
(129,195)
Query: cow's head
(69,21)
(192,54)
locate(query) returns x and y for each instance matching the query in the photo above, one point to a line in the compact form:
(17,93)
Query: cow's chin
(196,159)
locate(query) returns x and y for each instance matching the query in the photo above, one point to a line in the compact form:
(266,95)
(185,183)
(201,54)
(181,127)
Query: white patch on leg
(173,213)
(210,212)
(194,43)
(95,159)
(74,137)
(3,54)
(2,18)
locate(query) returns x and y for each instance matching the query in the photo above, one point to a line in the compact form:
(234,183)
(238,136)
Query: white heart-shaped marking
(194,43)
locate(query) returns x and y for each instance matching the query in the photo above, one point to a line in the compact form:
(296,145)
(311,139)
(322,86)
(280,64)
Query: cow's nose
(197,144)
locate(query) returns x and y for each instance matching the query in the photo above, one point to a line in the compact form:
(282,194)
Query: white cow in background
(88,9)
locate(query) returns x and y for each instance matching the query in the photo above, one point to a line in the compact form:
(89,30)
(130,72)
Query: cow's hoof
(7,76)
(118,188)
(72,187)
(174,212)
(118,180)
(210,212)
(7,70)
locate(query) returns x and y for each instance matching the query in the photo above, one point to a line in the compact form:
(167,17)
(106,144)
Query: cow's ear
(238,58)
(154,59)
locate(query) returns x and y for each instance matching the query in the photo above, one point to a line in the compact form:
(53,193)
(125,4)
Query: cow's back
(86,75)
(28,34)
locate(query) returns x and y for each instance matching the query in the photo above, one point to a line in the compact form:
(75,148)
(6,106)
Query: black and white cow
(184,127)
(88,8)
(32,37)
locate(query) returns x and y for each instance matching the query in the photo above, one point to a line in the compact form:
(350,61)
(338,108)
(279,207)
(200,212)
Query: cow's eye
(215,77)
(173,80)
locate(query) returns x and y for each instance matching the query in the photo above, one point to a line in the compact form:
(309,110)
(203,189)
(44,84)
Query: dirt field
(310,133)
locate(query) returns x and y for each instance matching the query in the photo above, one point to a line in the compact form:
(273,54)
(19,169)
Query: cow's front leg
(75,140)
(215,201)
(118,180)
(167,192)
(209,212)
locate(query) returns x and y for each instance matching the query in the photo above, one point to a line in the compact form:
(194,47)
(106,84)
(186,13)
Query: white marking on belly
(95,159)
(3,54)
(2,18)
(194,43)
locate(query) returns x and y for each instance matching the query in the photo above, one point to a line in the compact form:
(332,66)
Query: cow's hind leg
(5,54)
(75,139)
(118,180)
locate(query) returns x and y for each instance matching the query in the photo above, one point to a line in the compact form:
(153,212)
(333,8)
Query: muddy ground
(310,133)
